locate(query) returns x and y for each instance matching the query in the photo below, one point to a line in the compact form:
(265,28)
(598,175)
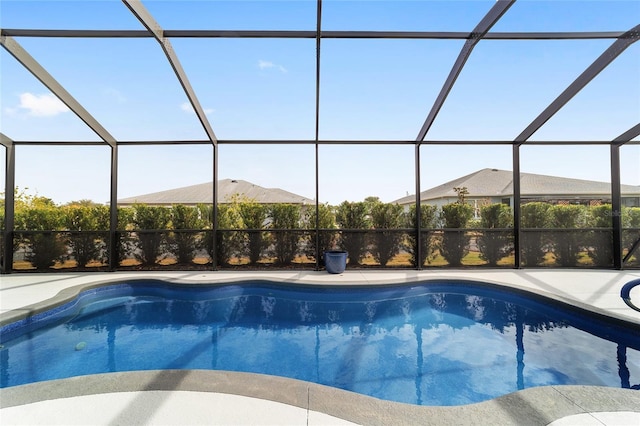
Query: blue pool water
(445,343)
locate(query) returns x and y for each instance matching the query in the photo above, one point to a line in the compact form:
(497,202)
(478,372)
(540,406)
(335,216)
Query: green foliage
(455,244)
(386,244)
(631,217)
(351,217)
(81,219)
(126,243)
(456,215)
(566,245)
(533,244)
(228,243)
(631,232)
(253,217)
(125,218)
(43,246)
(149,223)
(24,200)
(184,241)
(428,219)
(327,239)
(495,243)
(285,216)
(600,248)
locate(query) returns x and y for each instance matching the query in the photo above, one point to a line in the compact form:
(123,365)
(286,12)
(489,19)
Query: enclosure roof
(328,74)
(322,70)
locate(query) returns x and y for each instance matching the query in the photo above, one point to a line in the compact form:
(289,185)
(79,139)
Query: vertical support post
(317,131)
(317,207)
(418,225)
(214,251)
(114,240)
(9,208)
(616,206)
(516,205)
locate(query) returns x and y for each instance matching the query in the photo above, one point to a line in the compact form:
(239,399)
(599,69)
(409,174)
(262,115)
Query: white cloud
(186,107)
(268,64)
(11,112)
(115,94)
(41,105)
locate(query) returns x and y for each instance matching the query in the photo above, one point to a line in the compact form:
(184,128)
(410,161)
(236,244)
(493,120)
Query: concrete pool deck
(217,397)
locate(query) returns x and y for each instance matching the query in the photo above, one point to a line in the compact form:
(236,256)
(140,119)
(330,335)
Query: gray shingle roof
(499,183)
(203,193)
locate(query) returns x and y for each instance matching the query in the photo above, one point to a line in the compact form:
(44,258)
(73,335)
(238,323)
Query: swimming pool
(431,343)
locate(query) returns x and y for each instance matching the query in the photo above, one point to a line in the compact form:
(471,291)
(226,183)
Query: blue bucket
(335,261)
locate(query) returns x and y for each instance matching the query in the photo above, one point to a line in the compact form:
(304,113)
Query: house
(227,188)
(490,186)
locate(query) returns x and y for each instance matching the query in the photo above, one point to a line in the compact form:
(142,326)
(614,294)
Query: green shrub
(534,243)
(150,222)
(631,232)
(227,242)
(185,242)
(285,216)
(428,219)
(253,217)
(327,236)
(567,245)
(125,244)
(600,247)
(386,244)
(495,243)
(352,218)
(455,244)
(80,219)
(42,247)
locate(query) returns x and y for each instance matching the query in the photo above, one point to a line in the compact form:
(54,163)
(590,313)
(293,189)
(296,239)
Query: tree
(455,244)
(386,218)
(495,242)
(352,219)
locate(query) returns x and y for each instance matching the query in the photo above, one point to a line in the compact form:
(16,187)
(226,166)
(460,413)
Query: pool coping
(539,405)
(532,406)
(346,279)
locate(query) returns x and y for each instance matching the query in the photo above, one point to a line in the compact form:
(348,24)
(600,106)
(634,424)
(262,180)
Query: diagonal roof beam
(143,15)
(5,140)
(496,12)
(628,135)
(579,83)
(56,88)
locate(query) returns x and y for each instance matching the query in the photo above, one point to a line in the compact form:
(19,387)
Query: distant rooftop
(227,188)
(499,183)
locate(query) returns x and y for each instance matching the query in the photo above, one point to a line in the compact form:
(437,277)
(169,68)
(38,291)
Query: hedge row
(283,231)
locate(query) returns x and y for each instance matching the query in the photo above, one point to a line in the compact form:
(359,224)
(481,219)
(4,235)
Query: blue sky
(265,89)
